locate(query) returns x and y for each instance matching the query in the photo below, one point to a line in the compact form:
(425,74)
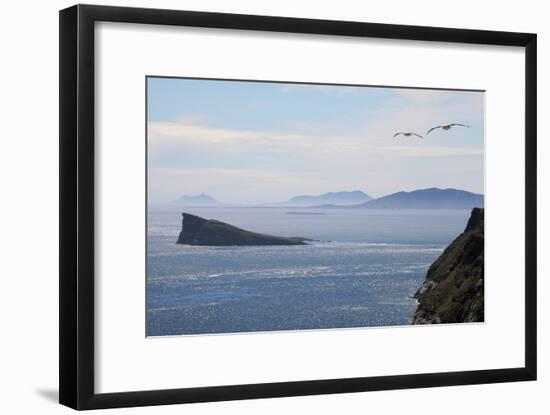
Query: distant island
(432,198)
(203,232)
(453,290)
(202,200)
(334,198)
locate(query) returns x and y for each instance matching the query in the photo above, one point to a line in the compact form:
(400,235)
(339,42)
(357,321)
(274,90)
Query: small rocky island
(453,290)
(203,232)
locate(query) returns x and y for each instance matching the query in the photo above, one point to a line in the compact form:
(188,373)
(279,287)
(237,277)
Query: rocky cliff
(453,290)
(199,231)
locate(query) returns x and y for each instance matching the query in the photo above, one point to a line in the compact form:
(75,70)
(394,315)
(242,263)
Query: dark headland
(203,232)
(453,290)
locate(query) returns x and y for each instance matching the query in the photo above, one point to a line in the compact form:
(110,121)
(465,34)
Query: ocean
(359,271)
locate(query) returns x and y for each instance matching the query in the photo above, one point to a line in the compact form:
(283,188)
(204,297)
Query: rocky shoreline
(453,291)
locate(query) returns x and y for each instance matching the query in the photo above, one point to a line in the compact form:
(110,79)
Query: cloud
(425,96)
(184,130)
(176,144)
(166,137)
(431,151)
(419,110)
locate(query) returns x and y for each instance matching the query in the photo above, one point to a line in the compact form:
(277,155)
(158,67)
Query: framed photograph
(258,207)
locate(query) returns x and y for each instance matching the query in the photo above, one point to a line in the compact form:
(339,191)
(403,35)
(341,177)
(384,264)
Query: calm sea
(360,273)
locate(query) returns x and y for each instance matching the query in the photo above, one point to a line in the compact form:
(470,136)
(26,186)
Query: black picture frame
(77,172)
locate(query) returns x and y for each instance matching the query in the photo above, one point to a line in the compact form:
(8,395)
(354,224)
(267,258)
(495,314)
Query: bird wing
(396,134)
(462,125)
(418,135)
(433,128)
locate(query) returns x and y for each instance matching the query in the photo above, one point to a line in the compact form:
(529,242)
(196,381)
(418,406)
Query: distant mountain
(433,198)
(199,200)
(332,198)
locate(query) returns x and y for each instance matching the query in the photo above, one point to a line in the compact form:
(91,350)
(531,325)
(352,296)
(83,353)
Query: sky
(259,142)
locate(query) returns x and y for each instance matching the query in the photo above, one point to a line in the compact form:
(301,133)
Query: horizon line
(312,195)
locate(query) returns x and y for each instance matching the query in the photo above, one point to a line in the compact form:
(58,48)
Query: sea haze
(359,272)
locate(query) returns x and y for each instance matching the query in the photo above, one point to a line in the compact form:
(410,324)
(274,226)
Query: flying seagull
(446,127)
(407,134)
